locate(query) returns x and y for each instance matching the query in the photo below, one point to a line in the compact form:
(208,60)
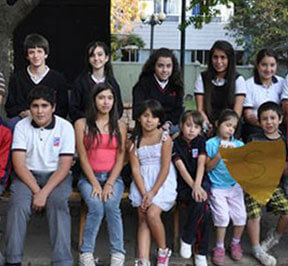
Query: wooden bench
(74,197)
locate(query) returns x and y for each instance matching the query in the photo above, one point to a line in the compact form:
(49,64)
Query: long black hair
(211,74)
(260,55)
(108,70)
(175,78)
(92,114)
(156,109)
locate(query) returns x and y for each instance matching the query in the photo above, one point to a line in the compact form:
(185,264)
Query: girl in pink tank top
(101,147)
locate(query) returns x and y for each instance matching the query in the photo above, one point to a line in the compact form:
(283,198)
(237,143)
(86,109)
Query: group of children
(187,168)
(204,183)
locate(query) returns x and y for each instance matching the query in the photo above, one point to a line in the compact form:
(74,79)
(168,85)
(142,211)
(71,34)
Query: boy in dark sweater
(37,73)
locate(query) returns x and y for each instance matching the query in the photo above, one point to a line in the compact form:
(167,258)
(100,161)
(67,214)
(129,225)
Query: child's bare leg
(253,228)
(156,226)
(220,235)
(144,235)
(282,224)
(238,231)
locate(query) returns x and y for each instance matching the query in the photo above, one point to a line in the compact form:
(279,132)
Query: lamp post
(152,20)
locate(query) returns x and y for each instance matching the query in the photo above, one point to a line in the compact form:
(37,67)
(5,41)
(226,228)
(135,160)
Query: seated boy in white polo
(42,151)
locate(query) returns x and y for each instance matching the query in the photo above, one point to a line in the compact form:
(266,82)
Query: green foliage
(260,24)
(207,12)
(119,42)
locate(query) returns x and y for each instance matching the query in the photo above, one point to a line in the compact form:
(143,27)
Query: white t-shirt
(258,93)
(43,146)
(240,86)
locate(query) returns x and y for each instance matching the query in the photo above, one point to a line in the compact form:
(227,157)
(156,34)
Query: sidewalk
(37,247)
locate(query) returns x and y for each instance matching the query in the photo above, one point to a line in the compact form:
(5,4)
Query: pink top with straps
(102,157)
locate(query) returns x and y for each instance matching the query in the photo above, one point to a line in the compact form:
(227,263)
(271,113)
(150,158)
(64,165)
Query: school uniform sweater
(148,88)
(81,96)
(20,85)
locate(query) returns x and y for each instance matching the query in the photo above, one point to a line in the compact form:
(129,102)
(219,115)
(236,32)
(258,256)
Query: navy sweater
(148,88)
(20,85)
(81,96)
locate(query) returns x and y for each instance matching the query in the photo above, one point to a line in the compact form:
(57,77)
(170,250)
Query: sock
(235,241)
(257,249)
(162,251)
(220,245)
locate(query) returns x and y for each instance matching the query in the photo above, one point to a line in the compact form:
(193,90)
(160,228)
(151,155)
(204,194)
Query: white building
(198,41)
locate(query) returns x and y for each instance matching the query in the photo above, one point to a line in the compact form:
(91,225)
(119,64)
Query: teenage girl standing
(220,86)
(98,70)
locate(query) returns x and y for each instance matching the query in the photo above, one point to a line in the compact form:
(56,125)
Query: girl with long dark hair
(100,139)
(98,70)
(220,86)
(160,80)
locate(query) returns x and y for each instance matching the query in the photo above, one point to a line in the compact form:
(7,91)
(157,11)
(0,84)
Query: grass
(190,104)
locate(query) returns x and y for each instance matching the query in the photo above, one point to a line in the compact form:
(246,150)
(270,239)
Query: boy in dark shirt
(37,73)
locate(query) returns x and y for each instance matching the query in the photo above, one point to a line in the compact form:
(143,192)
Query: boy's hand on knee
(39,201)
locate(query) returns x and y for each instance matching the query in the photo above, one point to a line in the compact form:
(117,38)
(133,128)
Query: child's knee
(152,215)
(221,220)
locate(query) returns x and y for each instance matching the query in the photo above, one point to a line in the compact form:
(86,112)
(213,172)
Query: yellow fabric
(257,167)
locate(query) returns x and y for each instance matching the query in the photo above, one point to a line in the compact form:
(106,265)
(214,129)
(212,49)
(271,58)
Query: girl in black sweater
(98,70)
(160,79)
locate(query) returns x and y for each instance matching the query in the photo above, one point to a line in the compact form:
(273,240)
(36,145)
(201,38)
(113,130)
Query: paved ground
(37,248)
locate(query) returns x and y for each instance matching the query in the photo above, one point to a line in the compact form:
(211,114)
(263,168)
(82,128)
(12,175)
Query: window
(169,7)
(200,56)
(130,54)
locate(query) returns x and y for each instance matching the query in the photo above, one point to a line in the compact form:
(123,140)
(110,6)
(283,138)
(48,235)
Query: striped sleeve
(2,84)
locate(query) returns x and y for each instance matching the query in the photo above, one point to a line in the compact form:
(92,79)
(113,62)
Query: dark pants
(196,228)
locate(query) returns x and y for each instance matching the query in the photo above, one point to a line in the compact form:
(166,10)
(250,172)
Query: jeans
(57,209)
(96,211)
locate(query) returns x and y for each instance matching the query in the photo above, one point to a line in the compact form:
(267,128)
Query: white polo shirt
(258,93)
(240,86)
(284,95)
(43,146)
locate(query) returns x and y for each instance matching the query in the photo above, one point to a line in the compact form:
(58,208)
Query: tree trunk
(10,17)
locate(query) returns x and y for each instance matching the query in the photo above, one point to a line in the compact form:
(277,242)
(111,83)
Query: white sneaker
(200,260)
(265,258)
(117,259)
(185,250)
(86,259)
(270,241)
(142,262)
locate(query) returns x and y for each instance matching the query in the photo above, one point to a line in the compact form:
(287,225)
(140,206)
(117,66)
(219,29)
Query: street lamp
(152,20)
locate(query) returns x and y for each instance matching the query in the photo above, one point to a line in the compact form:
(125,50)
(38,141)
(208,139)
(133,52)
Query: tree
(10,17)
(123,14)
(260,24)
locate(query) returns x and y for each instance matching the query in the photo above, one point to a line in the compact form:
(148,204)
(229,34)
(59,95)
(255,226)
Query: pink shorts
(228,203)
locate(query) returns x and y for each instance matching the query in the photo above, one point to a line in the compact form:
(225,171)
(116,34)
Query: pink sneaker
(236,251)
(163,257)
(218,256)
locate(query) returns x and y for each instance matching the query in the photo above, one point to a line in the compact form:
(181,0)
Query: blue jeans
(96,211)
